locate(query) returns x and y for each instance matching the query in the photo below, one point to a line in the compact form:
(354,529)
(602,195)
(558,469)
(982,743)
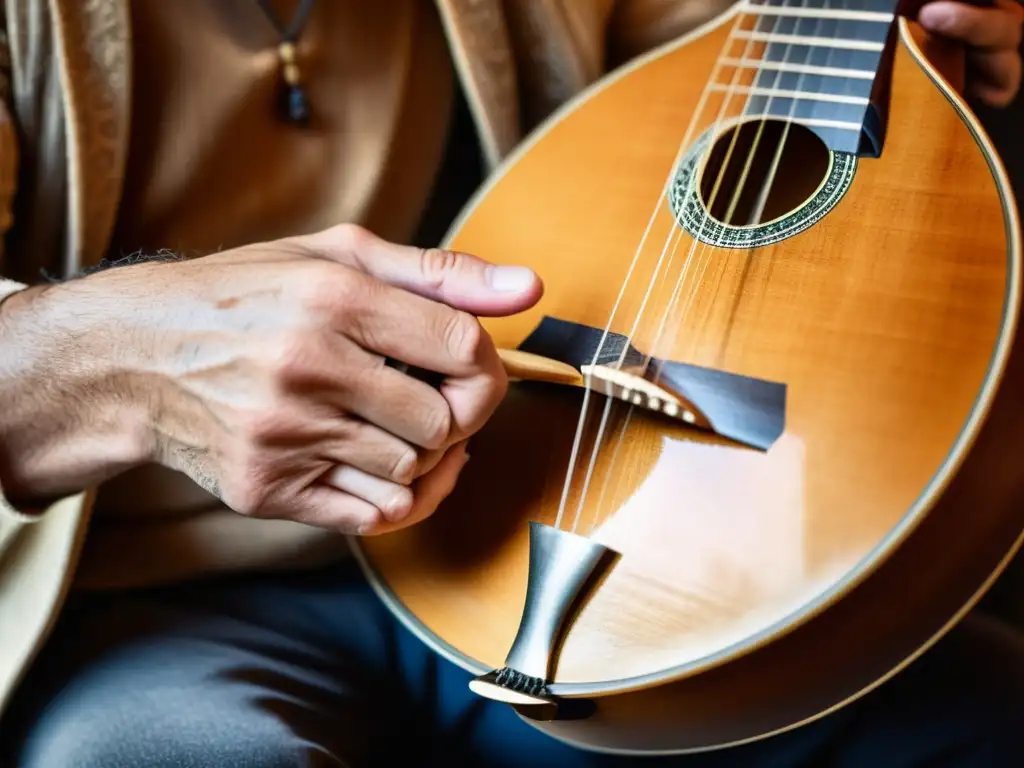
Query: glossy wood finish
(884,320)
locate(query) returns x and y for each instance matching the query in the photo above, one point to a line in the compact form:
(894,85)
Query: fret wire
(825,42)
(790,94)
(807,69)
(811,122)
(819,13)
(841,53)
(875,6)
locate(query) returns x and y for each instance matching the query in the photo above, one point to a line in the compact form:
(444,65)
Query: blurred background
(1007,129)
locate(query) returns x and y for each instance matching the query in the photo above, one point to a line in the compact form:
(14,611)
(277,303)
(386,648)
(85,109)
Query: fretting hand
(993,37)
(260,372)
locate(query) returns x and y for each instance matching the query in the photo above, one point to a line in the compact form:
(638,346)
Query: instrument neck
(817,62)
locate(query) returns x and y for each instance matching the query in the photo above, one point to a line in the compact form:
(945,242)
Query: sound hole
(762,176)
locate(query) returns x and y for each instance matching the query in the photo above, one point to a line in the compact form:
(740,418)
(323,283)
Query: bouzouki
(762,448)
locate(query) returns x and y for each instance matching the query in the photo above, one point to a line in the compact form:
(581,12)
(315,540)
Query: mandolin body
(754,590)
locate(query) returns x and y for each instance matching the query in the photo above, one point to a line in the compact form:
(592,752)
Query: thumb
(457,279)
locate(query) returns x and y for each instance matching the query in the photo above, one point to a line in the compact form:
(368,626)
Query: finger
(367,447)
(340,374)
(423,333)
(407,408)
(437,339)
(998,77)
(472,401)
(456,279)
(429,491)
(472,390)
(394,501)
(996,28)
(324,506)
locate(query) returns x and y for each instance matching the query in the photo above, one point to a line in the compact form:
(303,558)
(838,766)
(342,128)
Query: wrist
(67,419)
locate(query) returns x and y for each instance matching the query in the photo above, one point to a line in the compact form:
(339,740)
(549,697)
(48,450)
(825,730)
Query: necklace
(295,105)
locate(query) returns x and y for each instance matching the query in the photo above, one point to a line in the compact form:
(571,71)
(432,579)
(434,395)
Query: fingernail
(510,279)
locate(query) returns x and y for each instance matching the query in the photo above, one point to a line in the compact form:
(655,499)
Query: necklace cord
(295,104)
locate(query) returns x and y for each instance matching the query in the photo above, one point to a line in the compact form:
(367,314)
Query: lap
(312,670)
(231,673)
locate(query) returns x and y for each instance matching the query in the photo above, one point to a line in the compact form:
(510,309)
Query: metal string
(705,218)
(754,218)
(574,455)
(730,91)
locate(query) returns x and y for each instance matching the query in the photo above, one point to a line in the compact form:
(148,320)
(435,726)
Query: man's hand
(260,372)
(993,37)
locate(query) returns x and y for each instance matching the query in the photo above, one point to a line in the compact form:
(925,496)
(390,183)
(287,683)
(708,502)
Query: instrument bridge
(743,409)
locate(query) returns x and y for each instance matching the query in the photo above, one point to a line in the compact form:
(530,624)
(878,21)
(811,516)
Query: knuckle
(352,304)
(346,290)
(399,505)
(361,381)
(403,470)
(335,289)
(436,264)
(463,337)
(354,238)
(437,424)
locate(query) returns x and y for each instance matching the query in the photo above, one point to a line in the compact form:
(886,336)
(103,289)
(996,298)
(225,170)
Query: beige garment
(66,67)
(212,165)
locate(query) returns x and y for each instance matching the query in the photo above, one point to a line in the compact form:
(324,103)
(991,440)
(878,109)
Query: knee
(75,737)
(131,733)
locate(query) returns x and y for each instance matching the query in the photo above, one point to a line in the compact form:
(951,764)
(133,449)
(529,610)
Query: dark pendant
(296,105)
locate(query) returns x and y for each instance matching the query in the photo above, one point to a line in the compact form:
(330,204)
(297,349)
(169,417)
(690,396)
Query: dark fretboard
(813,61)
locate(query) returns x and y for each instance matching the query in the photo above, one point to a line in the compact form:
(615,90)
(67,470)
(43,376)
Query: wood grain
(883,320)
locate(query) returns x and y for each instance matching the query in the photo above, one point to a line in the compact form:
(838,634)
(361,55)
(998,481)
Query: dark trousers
(310,670)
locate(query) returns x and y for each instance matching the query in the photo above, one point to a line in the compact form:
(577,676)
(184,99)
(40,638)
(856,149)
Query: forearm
(67,420)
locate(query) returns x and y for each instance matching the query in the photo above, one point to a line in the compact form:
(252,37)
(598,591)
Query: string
(707,249)
(765,192)
(758,211)
(705,218)
(762,200)
(757,214)
(574,454)
(712,80)
(737,194)
(678,233)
